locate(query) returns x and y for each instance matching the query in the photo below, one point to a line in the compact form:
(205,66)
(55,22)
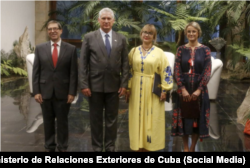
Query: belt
(143,74)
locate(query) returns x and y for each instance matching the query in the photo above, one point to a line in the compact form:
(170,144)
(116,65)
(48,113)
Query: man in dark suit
(55,78)
(104,78)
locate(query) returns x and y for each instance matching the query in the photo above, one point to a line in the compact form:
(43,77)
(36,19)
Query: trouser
(55,109)
(103,107)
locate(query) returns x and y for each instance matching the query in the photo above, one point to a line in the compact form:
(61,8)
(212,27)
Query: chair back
(29,63)
(171,59)
(214,81)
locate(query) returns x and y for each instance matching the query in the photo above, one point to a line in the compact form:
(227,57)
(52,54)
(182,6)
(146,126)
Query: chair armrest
(216,64)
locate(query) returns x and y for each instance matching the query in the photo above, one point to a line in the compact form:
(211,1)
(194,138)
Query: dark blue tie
(108,47)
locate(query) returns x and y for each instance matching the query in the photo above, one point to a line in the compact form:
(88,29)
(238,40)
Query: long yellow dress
(146,111)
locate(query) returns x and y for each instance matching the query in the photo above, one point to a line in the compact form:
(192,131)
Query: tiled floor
(22,123)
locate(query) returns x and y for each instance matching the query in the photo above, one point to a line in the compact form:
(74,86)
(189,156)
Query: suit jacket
(100,72)
(62,79)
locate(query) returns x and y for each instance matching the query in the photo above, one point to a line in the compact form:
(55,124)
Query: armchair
(214,129)
(171,58)
(214,82)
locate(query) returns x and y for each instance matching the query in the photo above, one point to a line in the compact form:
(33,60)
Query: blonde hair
(151,28)
(195,25)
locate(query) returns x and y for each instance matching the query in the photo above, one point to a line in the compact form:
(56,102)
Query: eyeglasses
(147,33)
(54,29)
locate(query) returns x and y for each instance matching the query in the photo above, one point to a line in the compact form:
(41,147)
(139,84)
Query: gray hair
(106,10)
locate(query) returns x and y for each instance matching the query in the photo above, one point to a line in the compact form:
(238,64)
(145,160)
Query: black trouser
(98,103)
(55,109)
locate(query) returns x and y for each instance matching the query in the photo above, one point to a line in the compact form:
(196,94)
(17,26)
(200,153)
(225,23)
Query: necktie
(108,47)
(55,55)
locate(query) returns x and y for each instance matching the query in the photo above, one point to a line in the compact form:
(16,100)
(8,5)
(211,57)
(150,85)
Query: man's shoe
(49,150)
(61,150)
(110,150)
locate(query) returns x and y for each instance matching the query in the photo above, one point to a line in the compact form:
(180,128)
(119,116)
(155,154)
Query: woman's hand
(185,95)
(196,94)
(163,96)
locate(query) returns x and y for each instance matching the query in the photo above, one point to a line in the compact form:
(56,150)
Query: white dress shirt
(103,36)
(58,46)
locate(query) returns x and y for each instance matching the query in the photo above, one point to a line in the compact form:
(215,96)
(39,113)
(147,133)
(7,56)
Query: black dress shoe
(109,150)
(49,150)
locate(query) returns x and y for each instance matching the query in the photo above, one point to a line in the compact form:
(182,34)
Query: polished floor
(22,123)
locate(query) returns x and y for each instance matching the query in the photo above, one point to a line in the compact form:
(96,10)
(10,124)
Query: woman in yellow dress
(147,110)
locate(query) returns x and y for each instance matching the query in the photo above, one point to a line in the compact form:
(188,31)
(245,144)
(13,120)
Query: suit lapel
(114,43)
(61,53)
(100,42)
(48,53)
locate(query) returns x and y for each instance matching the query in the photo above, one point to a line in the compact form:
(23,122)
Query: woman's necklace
(146,53)
(146,49)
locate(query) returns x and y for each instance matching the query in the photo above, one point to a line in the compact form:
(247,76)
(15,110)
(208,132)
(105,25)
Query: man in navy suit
(55,78)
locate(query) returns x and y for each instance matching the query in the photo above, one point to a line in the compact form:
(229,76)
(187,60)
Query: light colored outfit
(146,111)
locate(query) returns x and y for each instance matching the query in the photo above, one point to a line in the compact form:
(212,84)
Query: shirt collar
(58,43)
(103,33)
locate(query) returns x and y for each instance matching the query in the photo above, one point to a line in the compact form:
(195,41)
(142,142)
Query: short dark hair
(54,21)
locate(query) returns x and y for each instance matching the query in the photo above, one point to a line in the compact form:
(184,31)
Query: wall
(15,16)
(42,9)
